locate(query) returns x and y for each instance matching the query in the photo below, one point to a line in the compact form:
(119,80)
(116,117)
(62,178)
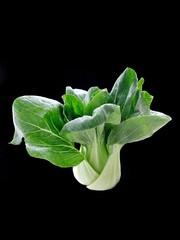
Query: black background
(44,56)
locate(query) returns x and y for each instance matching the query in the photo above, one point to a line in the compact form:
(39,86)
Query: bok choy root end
(101,122)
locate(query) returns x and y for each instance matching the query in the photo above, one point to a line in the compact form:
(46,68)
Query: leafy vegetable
(101,122)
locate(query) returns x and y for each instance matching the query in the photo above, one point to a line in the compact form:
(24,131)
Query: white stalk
(107,178)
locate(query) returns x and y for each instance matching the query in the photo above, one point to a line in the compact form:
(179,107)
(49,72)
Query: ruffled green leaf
(39,121)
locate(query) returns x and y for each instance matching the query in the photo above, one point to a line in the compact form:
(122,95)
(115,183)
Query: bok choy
(99,122)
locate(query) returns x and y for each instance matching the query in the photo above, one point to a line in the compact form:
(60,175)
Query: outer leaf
(82,130)
(137,128)
(39,120)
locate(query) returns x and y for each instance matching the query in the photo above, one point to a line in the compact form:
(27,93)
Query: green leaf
(73,106)
(127,92)
(122,86)
(80,93)
(90,94)
(130,102)
(39,121)
(82,130)
(147,98)
(99,99)
(140,83)
(143,104)
(137,128)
